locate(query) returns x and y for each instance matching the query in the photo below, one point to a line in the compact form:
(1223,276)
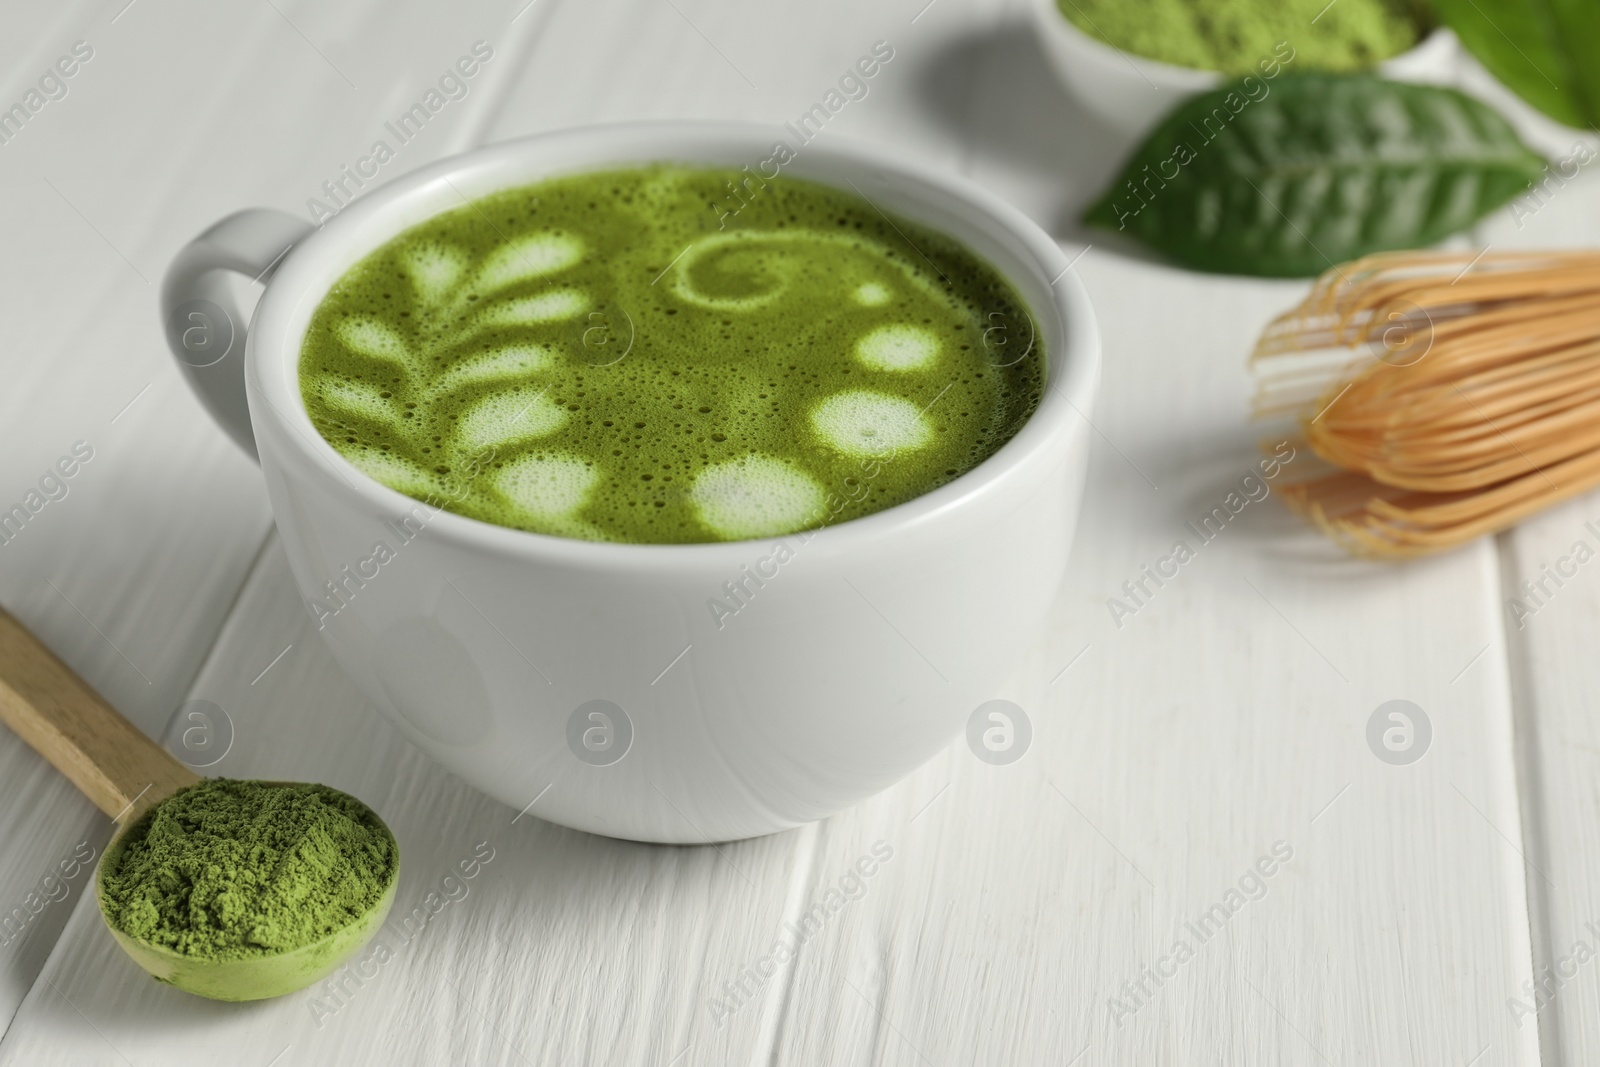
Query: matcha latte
(667,355)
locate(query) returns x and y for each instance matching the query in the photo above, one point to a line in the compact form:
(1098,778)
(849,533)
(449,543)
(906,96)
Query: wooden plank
(641,937)
(128,574)
(1550,625)
(1227,715)
(185,112)
(1014,900)
(1171,753)
(557,931)
(115,765)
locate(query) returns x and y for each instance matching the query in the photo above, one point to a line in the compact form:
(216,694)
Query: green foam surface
(668,354)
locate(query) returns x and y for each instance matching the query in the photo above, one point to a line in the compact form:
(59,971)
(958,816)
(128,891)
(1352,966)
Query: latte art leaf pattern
(501,419)
(816,363)
(536,256)
(373,339)
(434,269)
(553,306)
(511,363)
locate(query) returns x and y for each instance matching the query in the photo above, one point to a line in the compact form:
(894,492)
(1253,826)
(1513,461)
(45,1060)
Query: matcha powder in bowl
(1233,36)
(240,890)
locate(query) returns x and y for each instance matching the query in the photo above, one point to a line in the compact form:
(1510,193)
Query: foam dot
(372,338)
(532,310)
(897,347)
(358,398)
(866,423)
(547,487)
(434,269)
(872,295)
(534,256)
(506,417)
(756,496)
(510,361)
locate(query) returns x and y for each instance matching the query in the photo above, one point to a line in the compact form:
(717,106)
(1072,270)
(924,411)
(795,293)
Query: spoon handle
(111,762)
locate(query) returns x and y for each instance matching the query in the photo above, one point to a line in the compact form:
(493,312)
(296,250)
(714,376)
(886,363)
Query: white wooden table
(1023,904)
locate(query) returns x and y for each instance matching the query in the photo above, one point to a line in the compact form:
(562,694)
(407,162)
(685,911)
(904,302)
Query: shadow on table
(1213,481)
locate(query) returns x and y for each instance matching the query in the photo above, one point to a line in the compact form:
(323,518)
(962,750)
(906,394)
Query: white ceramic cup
(591,684)
(1131,93)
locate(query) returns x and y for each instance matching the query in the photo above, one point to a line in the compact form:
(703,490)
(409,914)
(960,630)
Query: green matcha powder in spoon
(228,889)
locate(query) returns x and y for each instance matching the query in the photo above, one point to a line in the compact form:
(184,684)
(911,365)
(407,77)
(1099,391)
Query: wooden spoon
(125,774)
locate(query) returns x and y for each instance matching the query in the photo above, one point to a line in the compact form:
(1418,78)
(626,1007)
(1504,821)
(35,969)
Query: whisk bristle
(1456,394)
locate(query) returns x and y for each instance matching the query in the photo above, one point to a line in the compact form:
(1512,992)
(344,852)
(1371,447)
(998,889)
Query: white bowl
(1130,93)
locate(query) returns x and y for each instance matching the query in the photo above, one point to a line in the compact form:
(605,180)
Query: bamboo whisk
(1448,395)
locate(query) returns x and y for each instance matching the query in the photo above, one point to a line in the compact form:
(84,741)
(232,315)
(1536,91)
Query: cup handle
(205,329)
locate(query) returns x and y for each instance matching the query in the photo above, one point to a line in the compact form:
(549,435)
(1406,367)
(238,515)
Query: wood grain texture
(1550,608)
(128,574)
(1226,715)
(1170,753)
(120,770)
(564,948)
(187,111)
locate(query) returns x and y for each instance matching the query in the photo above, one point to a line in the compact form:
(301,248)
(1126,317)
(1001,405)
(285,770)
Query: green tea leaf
(1291,176)
(1545,51)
